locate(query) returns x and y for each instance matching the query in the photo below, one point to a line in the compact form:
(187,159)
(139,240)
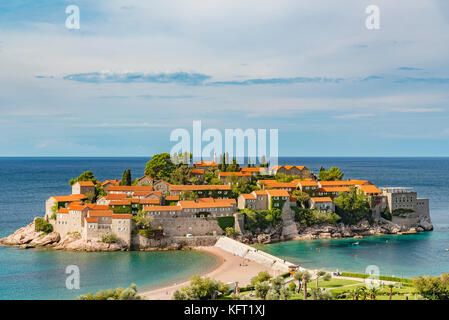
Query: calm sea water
(33,274)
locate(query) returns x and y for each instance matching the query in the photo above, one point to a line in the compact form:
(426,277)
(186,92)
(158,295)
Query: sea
(25,184)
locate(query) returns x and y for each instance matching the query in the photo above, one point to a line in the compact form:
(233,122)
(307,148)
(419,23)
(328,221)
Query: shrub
(109,238)
(231,232)
(40,224)
(113,294)
(201,289)
(261,276)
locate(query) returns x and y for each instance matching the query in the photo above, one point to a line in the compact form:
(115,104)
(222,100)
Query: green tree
(352,206)
(302,198)
(113,294)
(142,220)
(260,277)
(320,294)
(261,289)
(160,166)
(322,274)
(201,289)
(332,174)
(85,176)
(433,288)
(300,276)
(126,178)
(42,225)
(181,175)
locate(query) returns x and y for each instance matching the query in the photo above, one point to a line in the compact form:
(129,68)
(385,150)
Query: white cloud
(354,116)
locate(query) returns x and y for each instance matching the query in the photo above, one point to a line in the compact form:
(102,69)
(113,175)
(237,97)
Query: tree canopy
(201,289)
(332,174)
(113,294)
(433,288)
(85,176)
(126,178)
(352,206)
(160,166)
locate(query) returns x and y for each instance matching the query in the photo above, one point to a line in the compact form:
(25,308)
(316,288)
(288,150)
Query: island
(179,204)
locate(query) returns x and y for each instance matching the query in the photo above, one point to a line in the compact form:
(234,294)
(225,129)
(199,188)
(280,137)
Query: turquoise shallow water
(39,274)
(401,256)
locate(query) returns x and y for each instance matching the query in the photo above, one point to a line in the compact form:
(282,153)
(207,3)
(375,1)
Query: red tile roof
(200,187)
(308,183)
(278,193)
(69,198)
(342,183)
(91,220)
(334,189)
(130,188)
(370,189)
(161,208)
(100,213)
(63,210)
(237,174)
(121,216)
(205,164)
(252,169)
(197,171)
(114,182)
(86,183)
(321,199)
(172,198)
(248,196)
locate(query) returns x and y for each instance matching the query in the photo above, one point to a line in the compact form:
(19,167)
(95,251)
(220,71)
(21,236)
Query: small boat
(355,243)
(447,249)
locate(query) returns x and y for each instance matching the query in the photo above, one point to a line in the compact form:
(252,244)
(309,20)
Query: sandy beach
(232,268)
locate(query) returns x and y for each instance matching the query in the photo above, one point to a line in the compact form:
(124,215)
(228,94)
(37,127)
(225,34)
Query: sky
(137,70)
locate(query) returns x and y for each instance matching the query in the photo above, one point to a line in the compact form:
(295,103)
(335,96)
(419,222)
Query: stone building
(322,203)
(300,171)
(83,187)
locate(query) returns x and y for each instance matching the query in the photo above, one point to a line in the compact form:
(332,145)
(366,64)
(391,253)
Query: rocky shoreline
(338,231)
(26,237)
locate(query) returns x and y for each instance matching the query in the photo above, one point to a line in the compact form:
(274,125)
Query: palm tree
(373,292)
(305,279)
(391,286)
(298,276)
(358,292)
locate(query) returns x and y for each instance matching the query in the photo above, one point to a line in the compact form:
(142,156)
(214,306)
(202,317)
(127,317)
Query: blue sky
(137,70)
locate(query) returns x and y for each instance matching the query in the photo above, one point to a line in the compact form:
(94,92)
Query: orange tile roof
(307,183)
(86,183)
(149,201)
(198,171)
(63,210)
(121,216)
(115,196)
(188,204)
(287,167)
(334,189)
(321,199)
(94,206)
(260,192)
(230,201)
(205,164)
(280,185)
(205,200)
(130,188)
(237,174)
(77,208)
(69,198)
(252,169)
(342,183)
(91,220)
(114,182)
(248,196)
(124,202)
(370,189)
(100,213)
(161,208)
(146,193)
(278,193)
(172,198)
(200,187)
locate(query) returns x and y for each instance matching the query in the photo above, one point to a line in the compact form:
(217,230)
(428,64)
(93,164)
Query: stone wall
(180,226)
(141,243)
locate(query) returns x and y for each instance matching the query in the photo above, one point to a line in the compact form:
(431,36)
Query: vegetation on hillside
(85,176)
(160,166)
(260,220)
(42,225)
(126,178)
(310,217)
(352,207)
